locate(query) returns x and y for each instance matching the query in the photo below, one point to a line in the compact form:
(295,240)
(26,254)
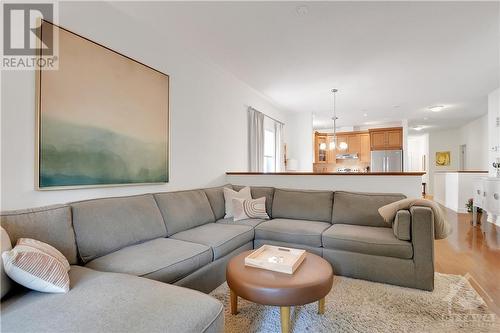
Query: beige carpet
(362,306)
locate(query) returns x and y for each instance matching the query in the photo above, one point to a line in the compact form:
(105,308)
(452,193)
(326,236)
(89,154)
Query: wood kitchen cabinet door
(365,151)
(320,148)
(377,140)
(386,138)
(354,144)
(340,139)
(394,139)
(331,153)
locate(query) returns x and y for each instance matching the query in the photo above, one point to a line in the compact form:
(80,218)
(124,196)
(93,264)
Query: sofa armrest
(422,238)
(402,225)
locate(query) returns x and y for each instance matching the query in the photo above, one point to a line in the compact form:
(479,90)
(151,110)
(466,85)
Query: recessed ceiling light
(418,128)
(302,10)
(436,108)
(365,114)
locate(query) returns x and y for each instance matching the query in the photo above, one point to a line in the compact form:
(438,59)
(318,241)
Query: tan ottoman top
(311,281)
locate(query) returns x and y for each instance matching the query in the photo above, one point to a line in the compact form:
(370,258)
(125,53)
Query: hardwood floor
(473,252)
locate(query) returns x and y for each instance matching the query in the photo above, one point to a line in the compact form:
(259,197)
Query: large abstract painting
(103,118)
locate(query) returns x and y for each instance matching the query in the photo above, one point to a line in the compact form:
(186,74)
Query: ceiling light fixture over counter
(436,108)
(334,144)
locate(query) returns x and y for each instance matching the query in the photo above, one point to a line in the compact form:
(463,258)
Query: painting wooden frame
(102,118)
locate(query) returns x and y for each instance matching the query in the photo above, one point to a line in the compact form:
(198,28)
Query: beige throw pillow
(37,266)
(230,194)
(244,209)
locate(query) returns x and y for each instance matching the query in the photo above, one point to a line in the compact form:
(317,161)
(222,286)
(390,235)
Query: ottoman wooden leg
(321,306)
(285,319)
(234,303)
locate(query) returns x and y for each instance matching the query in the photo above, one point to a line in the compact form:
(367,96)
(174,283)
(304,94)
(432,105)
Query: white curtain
(256,140)
(280,158)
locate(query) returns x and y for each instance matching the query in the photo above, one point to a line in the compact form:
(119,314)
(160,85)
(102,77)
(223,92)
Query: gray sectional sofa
(130,256)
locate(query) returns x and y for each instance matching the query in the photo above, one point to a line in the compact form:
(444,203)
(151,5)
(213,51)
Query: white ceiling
(390,60)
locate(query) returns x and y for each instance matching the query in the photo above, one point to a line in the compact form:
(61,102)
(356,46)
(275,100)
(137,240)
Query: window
(269,151)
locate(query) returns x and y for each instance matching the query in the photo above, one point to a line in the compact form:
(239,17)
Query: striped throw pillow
(37,266)
(244,209)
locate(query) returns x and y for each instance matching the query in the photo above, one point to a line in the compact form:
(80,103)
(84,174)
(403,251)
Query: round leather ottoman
(311,282)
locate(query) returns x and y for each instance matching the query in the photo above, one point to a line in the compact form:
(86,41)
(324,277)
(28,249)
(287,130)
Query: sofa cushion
(50,224)
(292,231)
(106,225)
(162,259)
(184,210)
(402,225)
(361,208)
(215,196)
(303,205)
(112,302)
(250,222)
(259,192)
(368,240)
(222,238)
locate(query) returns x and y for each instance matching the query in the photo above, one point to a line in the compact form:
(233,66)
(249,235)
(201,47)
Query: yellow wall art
(443,158)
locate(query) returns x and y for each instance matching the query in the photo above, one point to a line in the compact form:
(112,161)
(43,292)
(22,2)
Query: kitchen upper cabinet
(364,153)
(386,138)
(320,148)
(378,140)
(395,139)
(341,139)
(354,144)
(326,157)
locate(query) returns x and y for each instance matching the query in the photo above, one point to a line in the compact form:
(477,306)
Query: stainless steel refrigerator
(387,161)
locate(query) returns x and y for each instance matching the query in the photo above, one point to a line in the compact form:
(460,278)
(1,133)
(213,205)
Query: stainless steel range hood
(347,156)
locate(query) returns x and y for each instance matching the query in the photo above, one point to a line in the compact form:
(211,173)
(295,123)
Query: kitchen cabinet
(324,167)
(357,143)
(341,138)
(364,152)
(354,144)
(320,148)
(386,138)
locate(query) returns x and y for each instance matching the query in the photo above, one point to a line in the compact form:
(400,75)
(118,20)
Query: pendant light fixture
(334,143)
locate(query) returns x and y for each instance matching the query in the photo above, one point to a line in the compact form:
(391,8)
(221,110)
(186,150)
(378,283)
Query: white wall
(493,129)
(299,140)
(418,146)
(411,186)
(474,135)
(207,109)
(442,141)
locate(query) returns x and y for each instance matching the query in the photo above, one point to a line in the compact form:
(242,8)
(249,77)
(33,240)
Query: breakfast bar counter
(408,183)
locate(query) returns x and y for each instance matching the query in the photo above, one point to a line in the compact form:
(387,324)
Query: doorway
(463,157)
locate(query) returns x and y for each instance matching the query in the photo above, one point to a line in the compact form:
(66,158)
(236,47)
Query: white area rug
(362,306)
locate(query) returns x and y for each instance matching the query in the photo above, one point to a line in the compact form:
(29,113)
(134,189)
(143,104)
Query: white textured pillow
(44,247)
(230,194)
(244,209)
(31,264)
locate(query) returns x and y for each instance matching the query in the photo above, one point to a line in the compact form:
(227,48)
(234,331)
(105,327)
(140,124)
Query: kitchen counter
(329,173)
(408,183)
(463,171)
